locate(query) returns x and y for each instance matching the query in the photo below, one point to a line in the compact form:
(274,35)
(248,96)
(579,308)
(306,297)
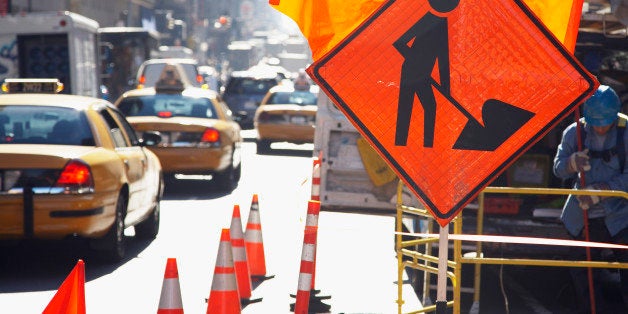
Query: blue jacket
(616,208)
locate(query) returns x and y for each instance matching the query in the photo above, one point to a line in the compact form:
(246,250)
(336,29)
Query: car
(245,90)
(199,134)
(286,114)
(72,166)
(150,71)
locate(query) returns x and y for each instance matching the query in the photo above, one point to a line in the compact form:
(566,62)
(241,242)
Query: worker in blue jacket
(600,160)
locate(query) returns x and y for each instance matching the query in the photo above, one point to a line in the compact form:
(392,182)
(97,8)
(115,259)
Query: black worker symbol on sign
(423,46)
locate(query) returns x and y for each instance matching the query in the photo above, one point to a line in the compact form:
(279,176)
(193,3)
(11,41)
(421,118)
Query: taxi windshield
(168,105)
(296,98)
(44,125)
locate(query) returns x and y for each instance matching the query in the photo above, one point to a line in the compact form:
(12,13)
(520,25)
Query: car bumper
(193,160)
(286,133)
(56,217)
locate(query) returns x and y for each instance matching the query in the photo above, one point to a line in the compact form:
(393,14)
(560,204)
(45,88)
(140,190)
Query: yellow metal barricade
(428,263)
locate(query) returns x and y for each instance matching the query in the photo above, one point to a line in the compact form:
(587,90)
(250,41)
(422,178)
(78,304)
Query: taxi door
(135,162)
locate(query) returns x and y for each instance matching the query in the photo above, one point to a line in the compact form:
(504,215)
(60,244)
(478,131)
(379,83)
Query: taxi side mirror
(150,138)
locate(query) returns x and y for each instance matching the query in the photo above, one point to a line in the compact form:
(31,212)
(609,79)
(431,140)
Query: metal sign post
(441,288)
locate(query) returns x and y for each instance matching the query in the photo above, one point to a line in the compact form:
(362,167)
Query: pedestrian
(598,164)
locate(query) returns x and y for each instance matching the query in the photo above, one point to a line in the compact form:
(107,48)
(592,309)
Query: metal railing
(425,261)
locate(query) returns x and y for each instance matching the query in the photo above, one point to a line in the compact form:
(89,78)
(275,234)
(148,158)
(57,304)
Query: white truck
(345,182)
(60,45)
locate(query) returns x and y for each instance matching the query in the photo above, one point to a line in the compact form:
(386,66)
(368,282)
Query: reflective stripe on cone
(254,241)
(240,261)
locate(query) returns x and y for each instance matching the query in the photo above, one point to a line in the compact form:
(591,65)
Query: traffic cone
(254,243)
(170,300)
(240,262)
(306,271)
(314,305)
(316,177)
(70,298)
(224,297)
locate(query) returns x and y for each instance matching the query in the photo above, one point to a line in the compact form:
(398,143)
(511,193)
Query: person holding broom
(593,153)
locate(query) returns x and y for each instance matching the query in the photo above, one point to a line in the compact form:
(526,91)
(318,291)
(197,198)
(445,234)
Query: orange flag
(70,298)
(326,22)
(561,17)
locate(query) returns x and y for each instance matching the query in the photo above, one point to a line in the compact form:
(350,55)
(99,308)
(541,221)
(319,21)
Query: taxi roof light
(32,85)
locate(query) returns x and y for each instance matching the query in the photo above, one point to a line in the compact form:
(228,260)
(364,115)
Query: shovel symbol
(501,121)
(425,49)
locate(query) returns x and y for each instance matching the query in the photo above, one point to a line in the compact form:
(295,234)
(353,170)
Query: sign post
(441,287)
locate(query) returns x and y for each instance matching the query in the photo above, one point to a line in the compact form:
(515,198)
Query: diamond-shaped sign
(451,95)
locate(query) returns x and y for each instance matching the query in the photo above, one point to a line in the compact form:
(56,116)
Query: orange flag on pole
(70,298)
(561,17)
(326,22)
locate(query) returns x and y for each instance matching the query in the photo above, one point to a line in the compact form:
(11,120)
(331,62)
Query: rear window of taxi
(168,105)
(302,98)
(34,124)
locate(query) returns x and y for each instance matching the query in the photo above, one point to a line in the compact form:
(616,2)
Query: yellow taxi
(72,166)
(199,134)
(286,114)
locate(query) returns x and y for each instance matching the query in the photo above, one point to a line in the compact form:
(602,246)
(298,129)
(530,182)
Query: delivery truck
(60,45)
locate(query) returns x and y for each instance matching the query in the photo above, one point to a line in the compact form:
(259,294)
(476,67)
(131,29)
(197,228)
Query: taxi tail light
(210,135)
(141,82)
(76,178)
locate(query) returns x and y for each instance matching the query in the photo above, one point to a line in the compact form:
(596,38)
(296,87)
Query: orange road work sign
(451,92)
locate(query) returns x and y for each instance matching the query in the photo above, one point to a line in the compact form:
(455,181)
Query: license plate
(297,120)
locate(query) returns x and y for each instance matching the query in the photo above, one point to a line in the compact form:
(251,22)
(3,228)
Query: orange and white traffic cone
(316,178)
(254,242)
(70,298)
(314,303)
(170,301)
(240,261)
(224,297)
(306,271)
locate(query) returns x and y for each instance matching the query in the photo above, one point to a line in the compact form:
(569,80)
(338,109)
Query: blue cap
(602,107)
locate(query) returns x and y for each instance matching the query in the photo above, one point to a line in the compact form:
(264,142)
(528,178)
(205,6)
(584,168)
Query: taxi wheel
(263,147)
(149,228)
(227,179)
(113,244)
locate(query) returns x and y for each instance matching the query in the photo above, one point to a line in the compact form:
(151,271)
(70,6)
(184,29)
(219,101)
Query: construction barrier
(409,256)
(70,297)
(224,297)
(170,301)
(240,261)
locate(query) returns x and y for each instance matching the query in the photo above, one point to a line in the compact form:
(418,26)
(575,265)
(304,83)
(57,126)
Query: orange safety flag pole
(70,298)
(327,22)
